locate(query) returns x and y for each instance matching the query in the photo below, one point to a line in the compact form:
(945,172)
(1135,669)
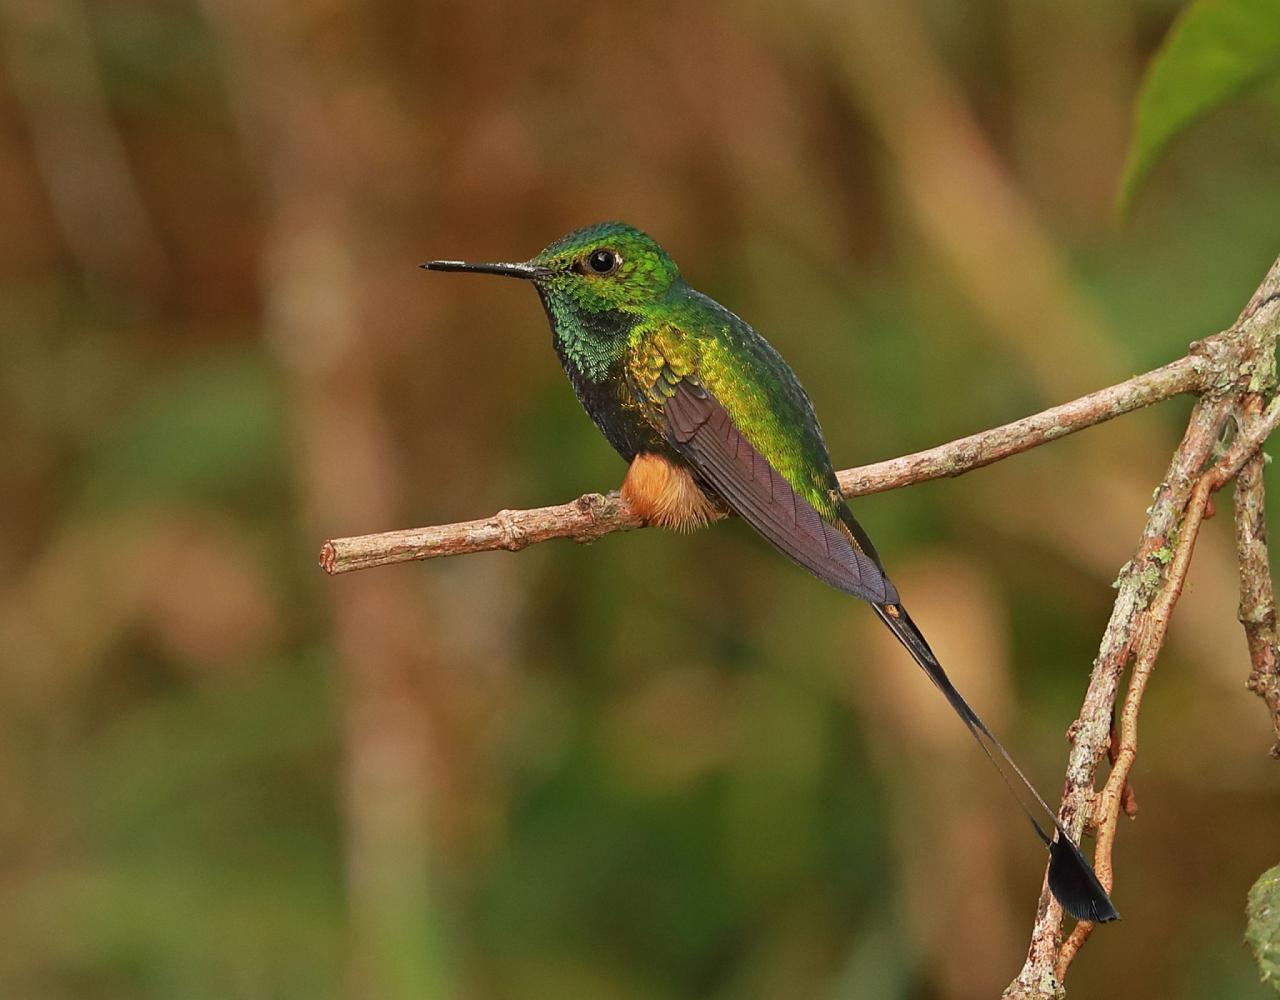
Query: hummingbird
(709,417)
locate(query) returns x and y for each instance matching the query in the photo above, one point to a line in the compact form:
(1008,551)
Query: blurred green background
(658,767)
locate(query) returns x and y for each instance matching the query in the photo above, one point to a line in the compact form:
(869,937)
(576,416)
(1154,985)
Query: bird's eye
(603,262)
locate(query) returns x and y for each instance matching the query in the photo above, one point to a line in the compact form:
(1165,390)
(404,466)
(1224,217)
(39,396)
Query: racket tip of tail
(1075,885)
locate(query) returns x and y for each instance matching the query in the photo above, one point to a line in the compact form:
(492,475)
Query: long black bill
(529,272)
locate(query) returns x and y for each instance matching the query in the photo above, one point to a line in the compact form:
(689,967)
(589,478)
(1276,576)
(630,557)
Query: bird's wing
(702,432)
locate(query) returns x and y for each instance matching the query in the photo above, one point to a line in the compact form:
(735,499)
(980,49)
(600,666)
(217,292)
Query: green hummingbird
(709,416)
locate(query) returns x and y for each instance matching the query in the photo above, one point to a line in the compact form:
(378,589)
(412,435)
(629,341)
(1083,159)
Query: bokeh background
(658,767)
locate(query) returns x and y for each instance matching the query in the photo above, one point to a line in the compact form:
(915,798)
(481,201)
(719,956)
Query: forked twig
(1149,586)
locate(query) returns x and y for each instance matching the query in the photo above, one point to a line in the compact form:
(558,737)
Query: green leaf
(1215,50)
(1263,930)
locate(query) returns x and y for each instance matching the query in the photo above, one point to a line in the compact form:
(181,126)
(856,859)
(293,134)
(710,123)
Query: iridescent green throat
(594,343)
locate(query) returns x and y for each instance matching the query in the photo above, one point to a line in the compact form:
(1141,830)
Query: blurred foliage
(233,406)
(660,766)
(1215,50)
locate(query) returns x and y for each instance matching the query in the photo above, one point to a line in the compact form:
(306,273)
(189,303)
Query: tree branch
(1257,593)
(1149,639)
(1149,585)
(595,515)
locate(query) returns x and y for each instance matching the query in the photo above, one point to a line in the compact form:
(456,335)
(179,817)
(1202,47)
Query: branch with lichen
(1243,358)
(1231,373)
(1257,595)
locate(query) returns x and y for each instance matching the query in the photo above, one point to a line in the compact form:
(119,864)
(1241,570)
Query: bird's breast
(613,407)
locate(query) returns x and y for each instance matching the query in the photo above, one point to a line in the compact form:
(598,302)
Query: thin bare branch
(595,515)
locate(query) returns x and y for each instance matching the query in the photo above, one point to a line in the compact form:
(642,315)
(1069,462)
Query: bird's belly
(666,494)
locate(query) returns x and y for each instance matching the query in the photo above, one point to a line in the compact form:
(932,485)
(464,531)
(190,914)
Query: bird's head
(596,284)
(604,268)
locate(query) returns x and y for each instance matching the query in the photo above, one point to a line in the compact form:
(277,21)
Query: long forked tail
(1071,877)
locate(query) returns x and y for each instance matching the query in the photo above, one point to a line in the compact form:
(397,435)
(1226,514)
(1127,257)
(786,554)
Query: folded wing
(700,429)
